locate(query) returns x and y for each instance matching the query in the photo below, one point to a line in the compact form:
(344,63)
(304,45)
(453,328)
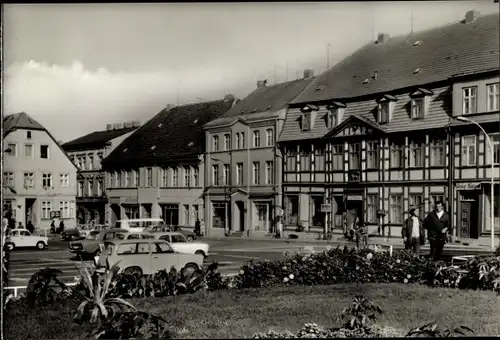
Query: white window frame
(29,179)
(269,172)
(100,187)
(242,136)
(495,140)
(215,143)
(137,178)
(270,137)
(418,108)
(64,209)
(239,173)
(64,180)
(225,174)
(333,116)
(9,179)
(90,187)
(256,173)
(215,174)
(384,112)
(187,177)
(227,141)
(27,147)
(469,100)
(493,97)
(90,160)
(47,180)
(256,138)
(175,177)
(196,176)
(238,141)
(118,179)
(81,188)
(466,148)
(149,177)
(13,149)
(127,178)
(45,209)
(306,121)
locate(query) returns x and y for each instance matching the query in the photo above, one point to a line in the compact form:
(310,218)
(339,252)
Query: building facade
(158,170)
(367,141)
(243,164)
(87,153)
(39,180)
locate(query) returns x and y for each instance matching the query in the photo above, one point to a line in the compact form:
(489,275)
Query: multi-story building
(243,167)
(39,180)
(158,170)
(370,138)
(87,153)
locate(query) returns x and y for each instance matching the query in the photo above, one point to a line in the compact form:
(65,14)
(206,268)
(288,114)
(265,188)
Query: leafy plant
(98,306)
(44,287)
(361,315)
(431,330)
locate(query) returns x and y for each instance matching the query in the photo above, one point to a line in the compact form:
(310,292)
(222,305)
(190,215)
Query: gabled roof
(351,120)
(20,121)
(96,139)
(399,62)
(172,135)
(265,99)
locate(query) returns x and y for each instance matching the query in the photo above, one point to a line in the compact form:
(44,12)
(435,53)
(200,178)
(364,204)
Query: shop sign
(468,186)
(55,214)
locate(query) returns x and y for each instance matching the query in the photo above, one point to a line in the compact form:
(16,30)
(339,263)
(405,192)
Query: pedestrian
(361,234)
(20,225)
(413,232)
(197,227)
(437,224)
(53,227)
(30,227)
(61,226)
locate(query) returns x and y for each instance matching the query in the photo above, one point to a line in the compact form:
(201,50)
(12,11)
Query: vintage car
(146,256)
(90,245)
(181,244)
(22,238)
(138,223)
(190,235)
(81,232)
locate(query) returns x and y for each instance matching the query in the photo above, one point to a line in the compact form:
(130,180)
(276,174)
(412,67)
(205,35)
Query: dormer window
(419,103)
(307,116)
(335,114)
(306,121)
(385,108)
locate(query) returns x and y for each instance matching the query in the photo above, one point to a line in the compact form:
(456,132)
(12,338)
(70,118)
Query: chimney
(229,98)
(471,16)
(127,125)
(136,123)
(261,83)
(117,126)
(109,127)
(308,73)
(382,37)
(170,106)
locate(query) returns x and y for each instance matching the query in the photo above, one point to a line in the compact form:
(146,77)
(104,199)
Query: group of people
(10,223)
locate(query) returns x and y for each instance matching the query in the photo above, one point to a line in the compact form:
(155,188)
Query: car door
(126,254)
(144,257)
(24,239)
(163,256)
(15,238)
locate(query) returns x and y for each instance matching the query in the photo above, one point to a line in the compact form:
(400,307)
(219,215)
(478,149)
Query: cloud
(71,101)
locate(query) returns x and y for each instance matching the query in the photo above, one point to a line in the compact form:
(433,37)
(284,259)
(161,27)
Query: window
(396,209)
(136,178)
(196,211)
(143,248)
(100,187)
(29,179)
(46,180)
(355,156)
(186,214)
(437,198)
(11,150)
(90,187)
(306,122)
(416,153)
(493,97)
(291,160)
(372,207)
(215,143)
(127,178)
(338,157)
(187,176)
(469,150)
(28,150)
(256,139)
(372,161)
(118,178)
(64,208)
(64,180)
(227,141)
(164,177)
(495,140)
(256,173)
(131,211)
(397,154)
(238,141)
(91,162)
(100,157)
(417,202)
(225,175)
(242,136)
(305,160)
(469,95)
(269,172)
(438,152)
(319,158)
(149,179)
(171,214)
(132,236)
(175,177)
(80,188)
(239,173)
(163,248)
(196,176)
(333,116)
(127,249)
(46,208)
(8,179)
(44,151)
(270,137)
(417,108)
(215,174)
(178,239)
(383,112)
(28,134)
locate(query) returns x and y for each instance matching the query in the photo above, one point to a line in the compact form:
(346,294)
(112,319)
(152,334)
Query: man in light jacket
(413,232)
(437,224)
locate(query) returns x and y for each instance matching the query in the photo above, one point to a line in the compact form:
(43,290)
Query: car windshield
(119,236)
(178,238)
(92,236)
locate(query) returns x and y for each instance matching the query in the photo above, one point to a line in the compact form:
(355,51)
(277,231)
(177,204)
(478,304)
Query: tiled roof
(173,134)
(95,139)
(265,99)
(437,116)
(20,121)
(411,60)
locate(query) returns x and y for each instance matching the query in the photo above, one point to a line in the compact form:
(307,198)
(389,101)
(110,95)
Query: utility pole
(328,56)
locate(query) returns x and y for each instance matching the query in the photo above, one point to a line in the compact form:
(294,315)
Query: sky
(77,67)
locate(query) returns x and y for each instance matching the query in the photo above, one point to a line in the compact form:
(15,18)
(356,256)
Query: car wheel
(201,252)
(40,245)
(135,271)
(190,238)
(190,269)
(9,246)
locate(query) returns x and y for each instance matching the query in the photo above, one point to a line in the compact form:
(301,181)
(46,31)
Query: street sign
(326,208)
(468,186)
(55,214)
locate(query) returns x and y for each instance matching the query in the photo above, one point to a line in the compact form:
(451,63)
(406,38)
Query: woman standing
(413,232)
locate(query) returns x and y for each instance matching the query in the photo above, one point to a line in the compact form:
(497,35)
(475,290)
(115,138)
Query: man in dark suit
(437,224)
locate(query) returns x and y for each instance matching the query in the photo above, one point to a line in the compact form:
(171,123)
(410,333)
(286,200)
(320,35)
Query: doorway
(30,210)
(354,212)
(240,207)
(469,217)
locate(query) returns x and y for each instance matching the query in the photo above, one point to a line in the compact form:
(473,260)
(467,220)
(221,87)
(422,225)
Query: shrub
(432,330)
(44,287)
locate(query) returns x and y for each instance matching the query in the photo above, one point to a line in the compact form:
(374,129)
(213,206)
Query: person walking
(197,227)
(437,224)
(61,227)
(53,227)
(413,232)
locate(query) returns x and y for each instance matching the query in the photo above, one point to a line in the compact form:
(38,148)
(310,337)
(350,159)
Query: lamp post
(492,199)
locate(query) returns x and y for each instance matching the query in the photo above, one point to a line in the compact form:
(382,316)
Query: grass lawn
(233,313)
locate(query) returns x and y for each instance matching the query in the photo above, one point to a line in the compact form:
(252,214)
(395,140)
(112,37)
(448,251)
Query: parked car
(80,232)
(138,223)
(85,230)
(181,244)
(190,235)
(90,245)
(22,238)
(145,256)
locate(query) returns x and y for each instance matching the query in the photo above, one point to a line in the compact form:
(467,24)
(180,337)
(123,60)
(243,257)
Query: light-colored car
(22,238)
(90,245)
(190,235)
(180,243)
(146,256)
